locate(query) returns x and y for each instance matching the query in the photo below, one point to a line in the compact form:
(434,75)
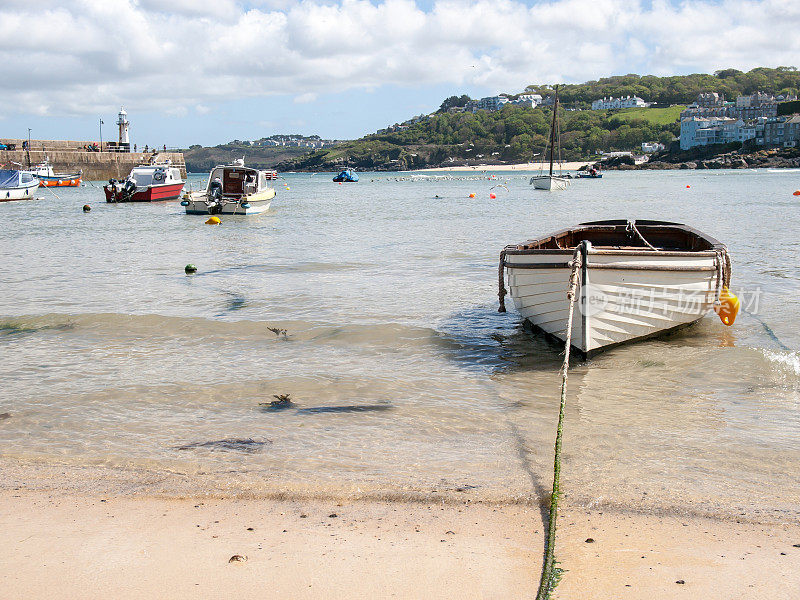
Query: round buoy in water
(492,195)
(190,268)
(688,186)
(213,221)
(797,193)
(472,195)
(86,208)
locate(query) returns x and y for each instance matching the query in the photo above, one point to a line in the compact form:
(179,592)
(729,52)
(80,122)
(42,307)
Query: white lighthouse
(123,123)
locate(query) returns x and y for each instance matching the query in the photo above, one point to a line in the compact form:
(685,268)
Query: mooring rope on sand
(550,573)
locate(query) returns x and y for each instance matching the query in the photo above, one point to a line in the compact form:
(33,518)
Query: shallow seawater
(402,375)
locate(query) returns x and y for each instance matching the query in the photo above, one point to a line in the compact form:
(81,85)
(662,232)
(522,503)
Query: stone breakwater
(68,157)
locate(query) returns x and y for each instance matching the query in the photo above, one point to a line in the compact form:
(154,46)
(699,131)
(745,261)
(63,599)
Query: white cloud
(87,56)
(305,98)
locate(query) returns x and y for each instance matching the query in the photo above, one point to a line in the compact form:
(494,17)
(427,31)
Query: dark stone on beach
(590,540)
(304,516)
(795,545)
(250,529)
(4,416)
(237,558)
(249,445)
(680,581)
(333,515)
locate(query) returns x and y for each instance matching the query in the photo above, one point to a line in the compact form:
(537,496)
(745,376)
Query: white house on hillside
(615,103)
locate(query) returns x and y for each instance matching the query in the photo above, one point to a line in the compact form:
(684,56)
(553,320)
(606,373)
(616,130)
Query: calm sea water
(405,378)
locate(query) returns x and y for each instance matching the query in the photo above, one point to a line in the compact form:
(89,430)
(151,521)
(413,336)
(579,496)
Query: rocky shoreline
(772,159)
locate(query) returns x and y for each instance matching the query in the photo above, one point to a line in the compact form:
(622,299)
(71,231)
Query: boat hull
(549,182)
(623,296)
(198,204)
(151,193)
(68,180)
(636,280)
(587,176)
(23,192)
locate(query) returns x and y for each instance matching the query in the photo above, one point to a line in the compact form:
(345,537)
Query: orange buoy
(796,193)
(472,195)
(728,307)
(688,186)
(492,195)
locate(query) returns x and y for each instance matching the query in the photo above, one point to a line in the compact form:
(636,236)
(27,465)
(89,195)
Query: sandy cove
(58,545)
(566,166)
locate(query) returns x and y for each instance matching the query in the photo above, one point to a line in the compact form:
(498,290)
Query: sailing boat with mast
(551,182)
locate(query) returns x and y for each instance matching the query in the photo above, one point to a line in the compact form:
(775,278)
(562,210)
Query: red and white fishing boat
(147,183)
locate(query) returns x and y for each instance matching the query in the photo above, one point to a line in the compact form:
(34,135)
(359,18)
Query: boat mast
(553,132)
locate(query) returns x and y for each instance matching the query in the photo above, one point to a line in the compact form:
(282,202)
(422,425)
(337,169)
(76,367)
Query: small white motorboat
(232,190)
(638,279)
(17,185)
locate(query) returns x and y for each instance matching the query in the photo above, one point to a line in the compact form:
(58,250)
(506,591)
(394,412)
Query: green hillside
(678,89)
(511,135)
(652,116)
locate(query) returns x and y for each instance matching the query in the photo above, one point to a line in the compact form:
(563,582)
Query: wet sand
(66,545)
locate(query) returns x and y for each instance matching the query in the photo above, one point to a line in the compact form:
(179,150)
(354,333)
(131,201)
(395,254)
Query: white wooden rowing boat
(638,279)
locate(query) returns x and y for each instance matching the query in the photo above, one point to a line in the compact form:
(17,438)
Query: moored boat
(47,178)
(592,172)
(638,279)
(347,175)
(146,183)
(17,185)
(232,190)
(551,182)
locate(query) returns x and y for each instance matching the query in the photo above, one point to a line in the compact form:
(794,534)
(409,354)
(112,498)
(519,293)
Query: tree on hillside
(454,102)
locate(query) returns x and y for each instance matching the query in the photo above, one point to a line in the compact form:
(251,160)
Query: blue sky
(201,71)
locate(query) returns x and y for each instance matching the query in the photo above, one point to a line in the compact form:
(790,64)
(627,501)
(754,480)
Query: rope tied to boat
(550,573)
(501,293)
(723,261)
(632,227)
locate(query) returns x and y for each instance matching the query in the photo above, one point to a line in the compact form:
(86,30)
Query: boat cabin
(150,175)
(236,181)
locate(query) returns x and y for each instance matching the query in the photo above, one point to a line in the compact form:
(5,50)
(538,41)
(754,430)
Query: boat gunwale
(614,226)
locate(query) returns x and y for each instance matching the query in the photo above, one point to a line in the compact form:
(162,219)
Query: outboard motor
(128,190)
(215,198)
(113,189)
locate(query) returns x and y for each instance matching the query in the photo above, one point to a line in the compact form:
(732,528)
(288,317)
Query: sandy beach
(533,166)
(60,545)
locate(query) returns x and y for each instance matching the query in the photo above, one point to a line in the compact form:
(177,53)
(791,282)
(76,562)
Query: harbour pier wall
(67,156)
